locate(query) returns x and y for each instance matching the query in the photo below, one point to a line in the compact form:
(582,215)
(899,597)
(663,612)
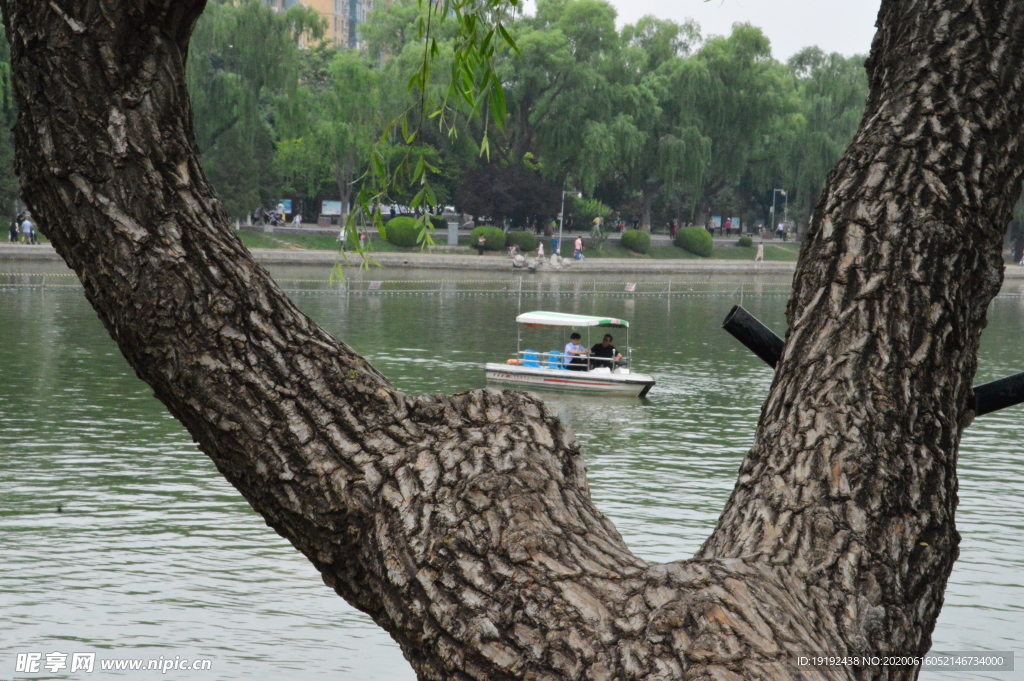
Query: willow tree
(463,524)
(242,53)
(739,95)
(831,91)
(344,121)
(654,145)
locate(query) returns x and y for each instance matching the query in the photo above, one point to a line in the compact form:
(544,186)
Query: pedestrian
(14,230)
(27,231)
(540,251)
(728,227)
(760,253)
(297,220)
(481,243)
(343,237)
(781,231)
(393,211)
(578,255)
(362,241)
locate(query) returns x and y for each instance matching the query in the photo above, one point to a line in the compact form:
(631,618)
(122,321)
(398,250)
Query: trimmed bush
(401,231)
(494,236)
(696,240)
(527,242)
(636,241)
(745,242)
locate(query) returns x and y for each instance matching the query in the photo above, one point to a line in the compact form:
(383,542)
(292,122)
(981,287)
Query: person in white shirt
(575,354)
(28,234)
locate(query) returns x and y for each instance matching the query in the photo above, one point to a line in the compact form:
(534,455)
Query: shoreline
(440,261)
(437,261)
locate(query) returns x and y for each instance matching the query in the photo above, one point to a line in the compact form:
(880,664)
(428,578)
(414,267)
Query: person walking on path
(343,237)
(578,255)
(297,220)
(27,231)
(14,230)
(480,244)
(760,253)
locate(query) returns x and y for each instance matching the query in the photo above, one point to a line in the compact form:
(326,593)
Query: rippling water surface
(153,553)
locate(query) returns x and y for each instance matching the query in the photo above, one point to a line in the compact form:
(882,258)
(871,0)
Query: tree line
(653,121)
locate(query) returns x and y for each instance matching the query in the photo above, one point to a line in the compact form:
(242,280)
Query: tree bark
(463,525)
(647,195)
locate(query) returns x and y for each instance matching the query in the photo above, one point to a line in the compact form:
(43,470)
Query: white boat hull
(633,385)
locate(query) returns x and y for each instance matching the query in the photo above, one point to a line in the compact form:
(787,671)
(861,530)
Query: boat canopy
(537,319)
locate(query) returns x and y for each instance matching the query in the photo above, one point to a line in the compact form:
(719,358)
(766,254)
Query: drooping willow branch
(474,90)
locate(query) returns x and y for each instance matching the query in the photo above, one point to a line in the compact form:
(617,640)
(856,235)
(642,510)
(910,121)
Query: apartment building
(343,17)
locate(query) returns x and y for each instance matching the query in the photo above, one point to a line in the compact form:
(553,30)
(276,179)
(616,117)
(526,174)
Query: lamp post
(561,221)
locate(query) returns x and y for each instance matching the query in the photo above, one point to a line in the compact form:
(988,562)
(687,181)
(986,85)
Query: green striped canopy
(540,318)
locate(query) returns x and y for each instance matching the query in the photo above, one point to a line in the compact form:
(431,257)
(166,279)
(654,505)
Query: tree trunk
(647,196)
(463,525)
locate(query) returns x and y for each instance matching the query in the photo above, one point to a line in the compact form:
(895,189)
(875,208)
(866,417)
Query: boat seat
(530,359)
(555,360)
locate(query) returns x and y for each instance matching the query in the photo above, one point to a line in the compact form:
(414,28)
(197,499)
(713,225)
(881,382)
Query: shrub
(401,231)
(696,240)
(527,242)
(583,212)
(636,241)
(494,236)
(439,223)
(745,242)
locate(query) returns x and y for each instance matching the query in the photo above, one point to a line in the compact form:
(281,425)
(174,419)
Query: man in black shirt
(603,354)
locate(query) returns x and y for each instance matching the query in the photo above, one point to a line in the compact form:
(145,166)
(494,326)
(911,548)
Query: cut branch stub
(762,341)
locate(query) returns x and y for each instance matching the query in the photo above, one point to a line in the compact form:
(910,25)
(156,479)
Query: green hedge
(636,241)
(401,231)
(494,236)
(526,241)
(745,242)
(696,240)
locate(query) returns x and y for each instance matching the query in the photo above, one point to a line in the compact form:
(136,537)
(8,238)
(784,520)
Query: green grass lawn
(778,252)
(781,252)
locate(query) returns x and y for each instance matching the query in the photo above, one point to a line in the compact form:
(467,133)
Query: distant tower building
(343,17)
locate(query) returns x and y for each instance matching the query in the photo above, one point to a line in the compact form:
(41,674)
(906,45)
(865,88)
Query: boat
(532,369)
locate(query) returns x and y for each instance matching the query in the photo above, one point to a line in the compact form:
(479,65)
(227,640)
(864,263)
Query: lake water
(154,554)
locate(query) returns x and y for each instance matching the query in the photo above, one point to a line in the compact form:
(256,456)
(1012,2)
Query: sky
(844,26)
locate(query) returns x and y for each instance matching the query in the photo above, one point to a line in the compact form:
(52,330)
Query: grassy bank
(773,251)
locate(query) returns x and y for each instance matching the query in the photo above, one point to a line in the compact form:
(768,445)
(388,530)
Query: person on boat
(604,354)
(576,354)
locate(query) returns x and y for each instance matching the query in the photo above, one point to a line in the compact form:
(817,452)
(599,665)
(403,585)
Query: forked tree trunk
(463,525)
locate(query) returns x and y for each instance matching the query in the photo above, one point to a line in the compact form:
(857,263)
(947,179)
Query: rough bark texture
(463,524)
